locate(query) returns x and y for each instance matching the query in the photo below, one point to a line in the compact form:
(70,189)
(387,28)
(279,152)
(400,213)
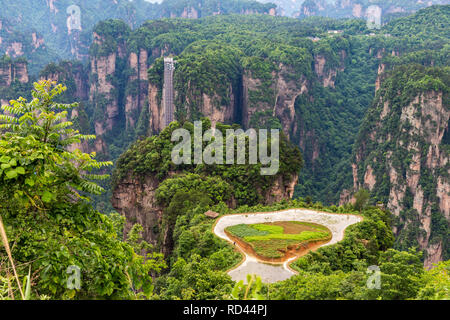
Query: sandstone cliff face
(83,146)
(103,67)
(281,190)
(327,78)
(15,50)
(317,7)
(217,112)
(325,73)
(414,167)
(190,12)
(5,75)
(21,72)
(357,8)
(135,199)
(381,69)
(156,111)
(285,92)
(38,41)
(67,72)
(137,89)
(102,92)
(208,105)
(13,71)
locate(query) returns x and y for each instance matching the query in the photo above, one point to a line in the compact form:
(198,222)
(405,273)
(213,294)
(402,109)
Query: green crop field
(272,240)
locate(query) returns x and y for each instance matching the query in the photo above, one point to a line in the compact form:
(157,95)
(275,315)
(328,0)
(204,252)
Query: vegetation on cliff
(51,226)
(71,40)
(315,79)
(48,225)
(395,145)
(241,182)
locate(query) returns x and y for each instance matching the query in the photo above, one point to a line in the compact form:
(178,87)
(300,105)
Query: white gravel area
(273,272)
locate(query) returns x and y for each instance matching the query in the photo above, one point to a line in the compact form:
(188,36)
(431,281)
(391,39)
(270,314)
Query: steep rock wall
(276,99)
(11,71)
(403,158)
(135,199)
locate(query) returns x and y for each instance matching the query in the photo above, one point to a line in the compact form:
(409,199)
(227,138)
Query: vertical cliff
(108,63)
(214,94)
(360,8)
(6,73)
(269,98)
(12,70)
(402,156)
(74,75)
(146,179)
(137,89)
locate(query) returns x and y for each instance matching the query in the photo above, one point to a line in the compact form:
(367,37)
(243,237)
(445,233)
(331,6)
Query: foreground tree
(361,199)
(72,250)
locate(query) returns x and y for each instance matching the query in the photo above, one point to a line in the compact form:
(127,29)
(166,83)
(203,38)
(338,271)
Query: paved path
(273,272)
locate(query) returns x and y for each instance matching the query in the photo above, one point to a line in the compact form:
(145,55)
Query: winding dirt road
(273,272)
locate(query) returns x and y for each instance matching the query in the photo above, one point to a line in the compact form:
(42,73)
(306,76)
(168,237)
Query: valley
(94,95)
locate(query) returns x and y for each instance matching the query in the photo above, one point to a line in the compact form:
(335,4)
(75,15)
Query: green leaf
(29,182)
(20,170)
(11,174)
(47,196)
(5,166)
(5,159)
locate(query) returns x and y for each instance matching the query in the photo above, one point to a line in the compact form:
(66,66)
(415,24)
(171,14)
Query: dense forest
(42,187)
(87,184)
(325,119)
(58,30)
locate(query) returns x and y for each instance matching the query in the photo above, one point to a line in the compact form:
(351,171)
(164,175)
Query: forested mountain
(401,155)
(350,8)
(62,29)
(358,109)
(258,71)
(390,9)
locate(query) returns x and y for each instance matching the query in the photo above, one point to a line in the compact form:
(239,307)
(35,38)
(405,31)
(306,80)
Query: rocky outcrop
(403,159)
(326,73)
(327,78)
(5,74)
(11,71)
(15,49)
(21,72)
(285,91)
(216,112)
(193,101)
(381,68)
(156,111)
(83,146)
(313,8)
(190,12)
(38,41)
(102,92)
(135,199)
(68,72)
(356,8)
(281,190)
(137,88)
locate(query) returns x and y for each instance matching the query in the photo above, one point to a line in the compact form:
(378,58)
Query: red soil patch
(290,227)
(295,250)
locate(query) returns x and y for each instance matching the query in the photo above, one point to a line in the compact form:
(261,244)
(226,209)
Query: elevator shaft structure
(169,108)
